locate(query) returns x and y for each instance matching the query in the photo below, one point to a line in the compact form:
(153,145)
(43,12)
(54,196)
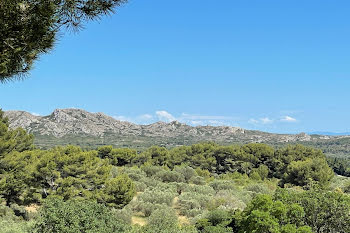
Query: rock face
(64,122)
(69,121)
(77,123)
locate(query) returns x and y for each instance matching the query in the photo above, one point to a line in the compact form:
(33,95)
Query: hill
(90,130)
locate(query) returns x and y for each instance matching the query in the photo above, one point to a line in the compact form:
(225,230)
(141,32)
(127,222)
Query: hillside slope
(76,126)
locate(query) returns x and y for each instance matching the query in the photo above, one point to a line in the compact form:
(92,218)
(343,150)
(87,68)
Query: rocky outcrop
(76,121)
(63,122)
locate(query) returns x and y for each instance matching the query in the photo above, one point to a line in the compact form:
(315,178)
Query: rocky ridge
(80,123)
(63,122)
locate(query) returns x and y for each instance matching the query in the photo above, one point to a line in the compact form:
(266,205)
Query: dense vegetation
(204,187)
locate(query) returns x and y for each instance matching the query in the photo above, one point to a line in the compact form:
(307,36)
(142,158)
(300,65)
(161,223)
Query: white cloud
(122,118)
(186,116)
(216,123)
(288,119)
(264,121)
(165,116)
(253,121)
(35,114)
(197,123)
(141,119)
(215,120)
(146,117)
(190,119)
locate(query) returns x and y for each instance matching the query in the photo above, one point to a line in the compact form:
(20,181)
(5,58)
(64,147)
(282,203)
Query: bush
(258,188)
(135,174)
(124,214)
(170,176)
(192,204)
(10,223)
(149,182)
(187,172)
(218,185)
(15,226)
(139,186)
(198,180)
(163,219)
(309,171)
(118,191)
(226,199)
(77,216)
(157,197)
(151,170)
(215,221)
(202,189)
(146,208)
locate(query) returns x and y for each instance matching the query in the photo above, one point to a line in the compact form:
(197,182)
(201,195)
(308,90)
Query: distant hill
(90,130)
(331,133)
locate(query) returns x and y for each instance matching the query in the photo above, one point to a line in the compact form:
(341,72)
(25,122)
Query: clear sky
(272,65)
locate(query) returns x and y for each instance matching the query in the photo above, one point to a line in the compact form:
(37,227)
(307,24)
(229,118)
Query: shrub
(309,171)
(181,187)
(203,173)
(218,185)
(135,174)
(163,220)
(10,223)
(202,189)
(15,226)
(124,214)
(255,175)
(192,204)
(187,172)
(227,199)
(151,170)
(198,180)
(146,208)
(258,188)
(118,191)
(149,182)
(217,221)
(77,216)
(139,186)
(170,176)
(157,197)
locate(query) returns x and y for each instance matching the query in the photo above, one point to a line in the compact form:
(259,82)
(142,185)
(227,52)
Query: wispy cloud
(215,120)
(187,116)
(165,116)
(123,118)
(146,117)
(264,121)
(253,121)
(198,119)
(195,123)
(288,119)
(191,119)
(141,119)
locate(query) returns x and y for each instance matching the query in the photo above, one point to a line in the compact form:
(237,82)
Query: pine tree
(13,140)
(29,28)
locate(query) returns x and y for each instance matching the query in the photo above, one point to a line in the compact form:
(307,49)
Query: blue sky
(272,65)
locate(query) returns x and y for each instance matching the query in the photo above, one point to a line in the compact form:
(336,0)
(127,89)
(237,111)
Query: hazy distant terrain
(90,130)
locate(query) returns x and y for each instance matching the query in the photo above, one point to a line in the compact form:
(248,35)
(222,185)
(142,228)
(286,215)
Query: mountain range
(77,126)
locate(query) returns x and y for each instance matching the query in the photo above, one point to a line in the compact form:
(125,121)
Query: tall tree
(29,28)
(13,140)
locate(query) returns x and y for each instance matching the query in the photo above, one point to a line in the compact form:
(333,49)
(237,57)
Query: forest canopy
(204,187)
